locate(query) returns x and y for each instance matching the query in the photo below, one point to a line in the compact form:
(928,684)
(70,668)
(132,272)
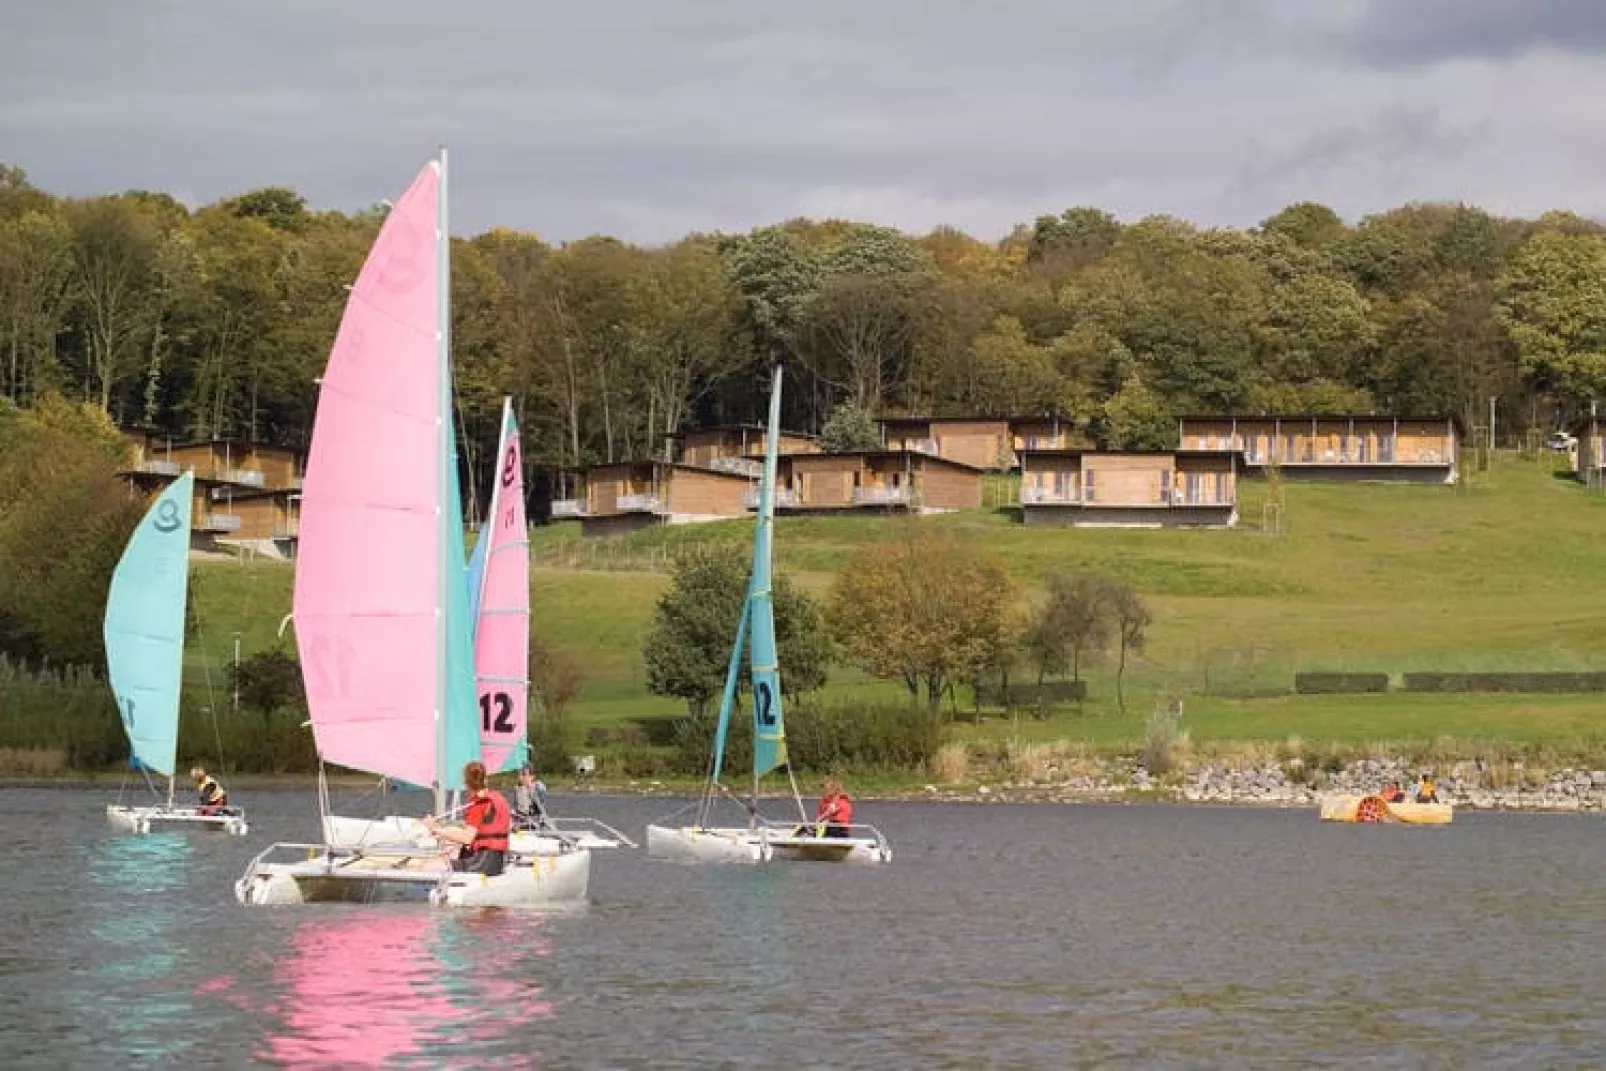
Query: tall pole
(1491,426)
(236,673)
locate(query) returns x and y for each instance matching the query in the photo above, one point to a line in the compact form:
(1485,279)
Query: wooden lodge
(977,442)
(878,480)
(738,447)
(245,493)
(1589,452)
(630,495)
(1163,489)
(1407,449)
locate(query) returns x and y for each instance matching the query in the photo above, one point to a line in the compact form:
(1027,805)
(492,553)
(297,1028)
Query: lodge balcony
(882,496)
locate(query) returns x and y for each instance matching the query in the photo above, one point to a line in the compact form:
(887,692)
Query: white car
(1562,441)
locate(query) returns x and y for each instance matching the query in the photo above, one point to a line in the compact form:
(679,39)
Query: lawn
(1505,571)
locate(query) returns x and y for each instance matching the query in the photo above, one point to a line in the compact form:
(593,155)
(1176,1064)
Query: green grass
(1504,572)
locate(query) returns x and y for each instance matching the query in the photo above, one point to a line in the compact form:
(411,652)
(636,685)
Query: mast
(443,361)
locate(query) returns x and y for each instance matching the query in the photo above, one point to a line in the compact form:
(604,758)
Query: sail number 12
(502,703)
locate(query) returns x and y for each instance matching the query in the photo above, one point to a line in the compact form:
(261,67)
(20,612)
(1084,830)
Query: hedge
(1505,682)
(1335,683)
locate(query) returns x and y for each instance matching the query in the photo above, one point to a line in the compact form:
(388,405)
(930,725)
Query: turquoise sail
(462,736)
(476,570)
(727,701)
(144,626)
(769,731)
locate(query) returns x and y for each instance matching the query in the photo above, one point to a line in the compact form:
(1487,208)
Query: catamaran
(144,634)
(498,579)
(761,839)
(380,605)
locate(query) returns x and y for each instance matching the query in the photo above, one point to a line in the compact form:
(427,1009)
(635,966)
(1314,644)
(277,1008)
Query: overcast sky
(650,118)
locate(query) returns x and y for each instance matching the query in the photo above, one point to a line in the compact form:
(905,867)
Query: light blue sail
(144,626)
(462,735)
(769,733)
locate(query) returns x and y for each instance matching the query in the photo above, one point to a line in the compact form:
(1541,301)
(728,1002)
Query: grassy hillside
(1504,572)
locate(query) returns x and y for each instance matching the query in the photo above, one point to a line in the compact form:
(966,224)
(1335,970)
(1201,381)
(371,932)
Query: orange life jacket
(837,809)
(492,819)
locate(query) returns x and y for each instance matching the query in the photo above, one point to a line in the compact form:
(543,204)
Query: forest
(215,321)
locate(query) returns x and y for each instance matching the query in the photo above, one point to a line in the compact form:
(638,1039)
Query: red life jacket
(491,818)
(837,810)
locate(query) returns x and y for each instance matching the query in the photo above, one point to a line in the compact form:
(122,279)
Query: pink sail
(367,584)
(502,628)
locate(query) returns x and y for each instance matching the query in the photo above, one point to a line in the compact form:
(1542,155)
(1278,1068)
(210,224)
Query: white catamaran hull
(762,844)
(534,881)
(143,819)
(341,832)
(688,844)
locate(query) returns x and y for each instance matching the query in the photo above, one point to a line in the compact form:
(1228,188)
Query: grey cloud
(648,119)
(1425,31)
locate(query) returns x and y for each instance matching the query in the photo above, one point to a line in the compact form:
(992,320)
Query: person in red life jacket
(836,810)
(1393,793)
(213,799)
(484,837)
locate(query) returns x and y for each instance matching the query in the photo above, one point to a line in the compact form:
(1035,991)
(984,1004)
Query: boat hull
(863,851)
(528,882)
(1371,809)
(690,844)
(761,845)
(342,832)
(144,819)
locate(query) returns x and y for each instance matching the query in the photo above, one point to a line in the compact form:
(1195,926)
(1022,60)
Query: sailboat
(144,634)
(498,585)
(380,605)
(761,839)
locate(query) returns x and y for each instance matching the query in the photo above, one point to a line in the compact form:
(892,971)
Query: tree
(1074,622)
(849,427)
(36,269)
(688,646)
(114,253)
(1132,618)
(1553,307)
(1135,420)
(924,610)
(268,681)
(65,518)
(556,680)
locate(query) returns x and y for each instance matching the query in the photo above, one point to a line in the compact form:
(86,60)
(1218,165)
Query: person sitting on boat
(484,838)
(213,800)
(836,810)
(1426,790)
(529,801)
(1393,793)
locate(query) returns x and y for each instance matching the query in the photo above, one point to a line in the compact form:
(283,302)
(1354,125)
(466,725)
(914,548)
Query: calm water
(1001,936)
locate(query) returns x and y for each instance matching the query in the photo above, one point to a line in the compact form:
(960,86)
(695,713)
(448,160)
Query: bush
(1340,683)
(843,737)
(1033,695)
(1505,682)
(1161,735)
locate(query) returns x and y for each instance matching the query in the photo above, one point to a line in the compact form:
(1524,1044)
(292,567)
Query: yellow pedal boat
(1373,809)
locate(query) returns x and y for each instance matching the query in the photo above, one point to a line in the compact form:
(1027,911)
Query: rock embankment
(1290,783)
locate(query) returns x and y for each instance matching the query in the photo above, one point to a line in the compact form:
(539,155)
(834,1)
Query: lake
(1002,935)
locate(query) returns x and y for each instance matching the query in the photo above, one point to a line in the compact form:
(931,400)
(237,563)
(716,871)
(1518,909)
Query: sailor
(484,839)
(1393,793)
(836,809)
(213,798)
(1426,790)
(529,800)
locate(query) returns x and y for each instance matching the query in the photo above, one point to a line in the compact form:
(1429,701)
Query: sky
(648,119)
